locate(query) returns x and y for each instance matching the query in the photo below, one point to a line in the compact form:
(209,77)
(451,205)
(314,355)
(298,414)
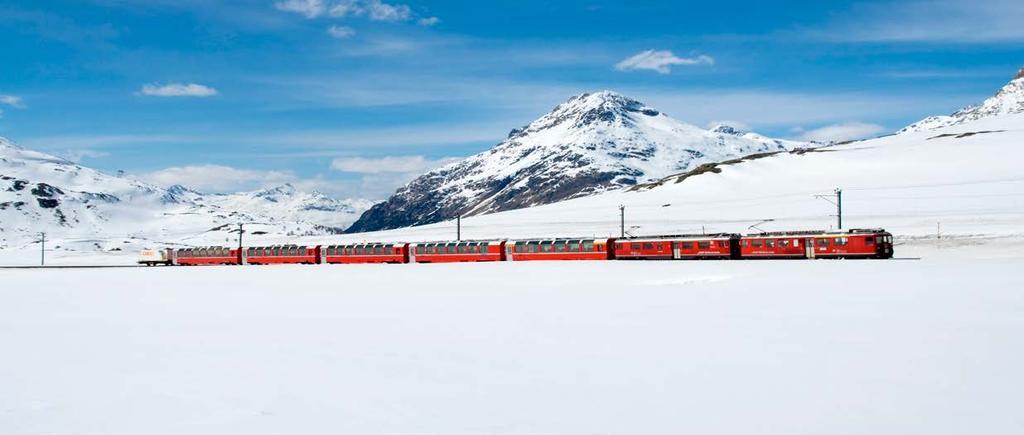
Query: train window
(842,241)
(869,240)
(560,247)
(770,243)
(823,243)
(648,245)
(796,242)
(378,250)
(532,247)
(757,243)
(634,246)
(704,245)
(588,246)
(461,248)
(783,243)
(545,246)
(574,246)
(687,245)
(520,247)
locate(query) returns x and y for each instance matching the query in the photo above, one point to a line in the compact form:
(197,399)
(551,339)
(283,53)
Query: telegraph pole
(458,228)
(42,250)
(622,220)
(838,195)
(839,206)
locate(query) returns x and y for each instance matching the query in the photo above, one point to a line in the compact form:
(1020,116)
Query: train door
(412,253)
(509,255)
(809,248)
(675,251)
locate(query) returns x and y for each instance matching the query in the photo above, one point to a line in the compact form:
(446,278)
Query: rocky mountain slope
(1008,100)
(589,144)
(44,193)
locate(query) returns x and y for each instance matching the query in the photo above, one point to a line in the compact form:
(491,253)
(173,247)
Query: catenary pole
(42,249)
(622,221)
(839,206)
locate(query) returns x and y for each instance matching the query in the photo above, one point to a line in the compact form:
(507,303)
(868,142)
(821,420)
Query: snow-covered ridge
(1007,101)
(591,143)
(70,202)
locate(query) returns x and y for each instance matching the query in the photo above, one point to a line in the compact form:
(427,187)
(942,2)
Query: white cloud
(178,90)
(345,8)
(12,101)
(388,164)
(843,132)
(341,32)
(429,21)
(377,10)
(660,61)
(218,178)
(307,8)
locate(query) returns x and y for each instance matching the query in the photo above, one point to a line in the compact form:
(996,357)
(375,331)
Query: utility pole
(458,228)
(42,250)
(839,206)
(838,202)
(240,237)
(622,220)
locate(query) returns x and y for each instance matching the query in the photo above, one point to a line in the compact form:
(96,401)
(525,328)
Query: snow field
(931,346)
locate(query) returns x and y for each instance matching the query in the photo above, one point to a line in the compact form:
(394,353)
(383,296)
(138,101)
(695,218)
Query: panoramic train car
(449,252)
(366,253)
(686,246)
(560,249)
(855,243)
(283,254)
(206,256)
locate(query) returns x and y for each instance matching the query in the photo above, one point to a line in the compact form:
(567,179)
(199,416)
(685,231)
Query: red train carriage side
(560,249)
(285,254)
(856,243)
(678,247)
(367,253)
(206,256)
(449,252)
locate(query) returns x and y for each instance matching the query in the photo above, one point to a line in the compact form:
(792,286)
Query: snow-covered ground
(875,347)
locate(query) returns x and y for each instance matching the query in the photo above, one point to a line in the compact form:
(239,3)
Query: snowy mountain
(1008,100)
(77,204)
(591,143)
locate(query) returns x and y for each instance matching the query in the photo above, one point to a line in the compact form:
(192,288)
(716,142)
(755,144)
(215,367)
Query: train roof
(819,232)
(679,236)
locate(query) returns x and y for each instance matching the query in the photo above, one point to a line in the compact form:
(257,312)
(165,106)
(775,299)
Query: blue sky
(354,97)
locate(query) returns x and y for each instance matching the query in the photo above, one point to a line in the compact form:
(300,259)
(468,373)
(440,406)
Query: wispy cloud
(341,32)
(380,11)
(307,8)
(660,61)
(429,21)
(380,176)
(388,164)
(374,10)
(842,132)
(13,101)
(949,21)
(178,90)
(218,178)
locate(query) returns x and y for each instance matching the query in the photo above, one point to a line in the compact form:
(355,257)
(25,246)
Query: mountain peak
(1008,100)
(590,143)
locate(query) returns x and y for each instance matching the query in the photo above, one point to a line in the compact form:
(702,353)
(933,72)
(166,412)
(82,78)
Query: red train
(858,243)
